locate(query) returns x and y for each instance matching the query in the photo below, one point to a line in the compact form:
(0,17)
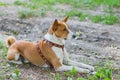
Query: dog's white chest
(59,52)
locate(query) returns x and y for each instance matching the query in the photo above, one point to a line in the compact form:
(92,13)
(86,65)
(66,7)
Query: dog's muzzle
(71,35)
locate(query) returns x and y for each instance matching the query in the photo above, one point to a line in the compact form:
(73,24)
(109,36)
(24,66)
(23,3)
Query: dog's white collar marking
(54,39)
(58,51)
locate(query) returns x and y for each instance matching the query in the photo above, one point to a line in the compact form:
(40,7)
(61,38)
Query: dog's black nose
(73,36)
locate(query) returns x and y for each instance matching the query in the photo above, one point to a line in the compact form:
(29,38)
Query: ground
(96,44)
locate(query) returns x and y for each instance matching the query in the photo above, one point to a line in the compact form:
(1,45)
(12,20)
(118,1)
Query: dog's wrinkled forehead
(59,26)
(63,25)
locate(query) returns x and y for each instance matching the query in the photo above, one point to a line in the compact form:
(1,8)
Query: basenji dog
(49,51)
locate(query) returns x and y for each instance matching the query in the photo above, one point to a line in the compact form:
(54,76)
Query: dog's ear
(53,27)
(65,19)
(55,23)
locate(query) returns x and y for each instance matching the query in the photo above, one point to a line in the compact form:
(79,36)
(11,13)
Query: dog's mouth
(65,38)
(72,37)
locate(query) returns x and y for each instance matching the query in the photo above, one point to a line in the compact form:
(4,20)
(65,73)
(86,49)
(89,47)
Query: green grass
(96,18)
(106,19)
(26,4)
(109,19)
(91,3)
(80,3)
(40,7)
(103,72)
(80,14)
(27,13)
(7,72)
(31,9)
(3,4)
(4,49)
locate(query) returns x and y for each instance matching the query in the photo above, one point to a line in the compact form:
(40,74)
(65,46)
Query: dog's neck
(54,39)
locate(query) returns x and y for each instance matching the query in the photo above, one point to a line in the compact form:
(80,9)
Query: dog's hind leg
(13,56)
(23,60)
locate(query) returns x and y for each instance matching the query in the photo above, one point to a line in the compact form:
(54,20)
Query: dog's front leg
(68,68)
(74,63)
(82,65)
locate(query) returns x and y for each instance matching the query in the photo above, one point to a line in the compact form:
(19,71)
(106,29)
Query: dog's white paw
(91,68)
(86,71)
(93,72)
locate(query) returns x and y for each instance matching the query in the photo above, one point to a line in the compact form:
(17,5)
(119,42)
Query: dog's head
(60,29)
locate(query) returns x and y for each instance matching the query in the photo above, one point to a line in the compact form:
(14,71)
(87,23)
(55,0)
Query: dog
(49,51)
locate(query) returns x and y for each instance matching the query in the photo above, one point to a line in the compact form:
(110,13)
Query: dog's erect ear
(65,19)
(53,27)
(55,23)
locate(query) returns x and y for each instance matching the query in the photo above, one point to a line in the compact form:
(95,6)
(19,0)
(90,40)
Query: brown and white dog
(46,50)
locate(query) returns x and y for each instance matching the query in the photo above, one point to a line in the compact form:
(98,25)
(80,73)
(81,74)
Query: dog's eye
(64,29)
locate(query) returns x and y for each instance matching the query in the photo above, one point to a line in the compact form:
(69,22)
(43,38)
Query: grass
(80,14)
(35,8)
(4,49)
(26,4)
(109,19)
(32,9)
(3,4)
(103,72)
(91,3)
(27,13)
(7,72)
(106,19)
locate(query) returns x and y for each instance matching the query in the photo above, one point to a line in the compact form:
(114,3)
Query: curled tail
(10,40)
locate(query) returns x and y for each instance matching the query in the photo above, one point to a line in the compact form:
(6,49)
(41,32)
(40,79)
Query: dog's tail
(10,40)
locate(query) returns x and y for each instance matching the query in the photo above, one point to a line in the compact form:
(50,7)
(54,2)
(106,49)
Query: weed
(26,4)
(71,74)
(84,17)
(69,78)
(106,19)
(57,77)
(45,2)
(81,79)
(1,45)
(1,77)
(80,14)
(41,12)
(4,49)
(104,73)
(3,4)
(15,32)
(78,34)
(74,13)
(88,3)
(25,13)
(18,2)
(16,75)
(96,18)
(109,19)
